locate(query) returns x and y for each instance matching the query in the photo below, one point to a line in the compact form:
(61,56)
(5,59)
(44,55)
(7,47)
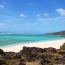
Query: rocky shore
(34,56)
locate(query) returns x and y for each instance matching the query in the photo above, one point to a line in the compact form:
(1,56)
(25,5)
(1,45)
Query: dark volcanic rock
(22,64)
(62,52)
(46,56)
(10,55)
(2,61)
(2,52)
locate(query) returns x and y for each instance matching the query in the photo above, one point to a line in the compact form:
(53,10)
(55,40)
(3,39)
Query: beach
(43,44)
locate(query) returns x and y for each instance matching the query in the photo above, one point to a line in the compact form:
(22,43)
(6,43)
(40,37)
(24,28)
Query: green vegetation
(34,56)
(61,33)
(63,47)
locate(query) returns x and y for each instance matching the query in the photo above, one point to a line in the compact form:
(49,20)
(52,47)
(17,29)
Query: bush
(63,47)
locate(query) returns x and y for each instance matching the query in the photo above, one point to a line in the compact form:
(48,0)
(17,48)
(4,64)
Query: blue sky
(32,16)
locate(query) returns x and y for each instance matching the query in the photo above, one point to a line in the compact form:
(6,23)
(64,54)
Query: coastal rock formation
(34,56)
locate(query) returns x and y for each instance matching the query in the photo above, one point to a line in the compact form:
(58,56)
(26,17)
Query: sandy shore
(16,48)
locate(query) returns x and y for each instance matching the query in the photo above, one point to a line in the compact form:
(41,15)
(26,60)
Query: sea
(9,39)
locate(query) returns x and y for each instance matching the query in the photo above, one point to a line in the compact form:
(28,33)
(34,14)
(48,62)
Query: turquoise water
(8,39)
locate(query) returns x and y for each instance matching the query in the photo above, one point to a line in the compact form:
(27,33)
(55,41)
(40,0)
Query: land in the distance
(55,33)
(58,33)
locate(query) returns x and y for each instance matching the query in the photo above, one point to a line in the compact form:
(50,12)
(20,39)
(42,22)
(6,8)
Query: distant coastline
(53,33)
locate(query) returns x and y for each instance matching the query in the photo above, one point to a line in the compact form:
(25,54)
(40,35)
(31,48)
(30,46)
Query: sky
(32,16)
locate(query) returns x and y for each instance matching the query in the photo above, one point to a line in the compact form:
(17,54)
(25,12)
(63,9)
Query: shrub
(63,47)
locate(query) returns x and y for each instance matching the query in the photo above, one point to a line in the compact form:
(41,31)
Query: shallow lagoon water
(9,39)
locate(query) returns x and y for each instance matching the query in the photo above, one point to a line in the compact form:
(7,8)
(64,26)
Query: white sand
(16,48)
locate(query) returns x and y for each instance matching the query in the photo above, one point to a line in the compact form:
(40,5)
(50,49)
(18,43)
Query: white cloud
(3,3)
(22,15)
(1,6)
(52,19)
(2,24)
(61,11)
(38,15)
(43,15)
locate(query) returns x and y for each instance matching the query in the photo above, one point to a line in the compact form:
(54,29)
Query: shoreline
(43,44)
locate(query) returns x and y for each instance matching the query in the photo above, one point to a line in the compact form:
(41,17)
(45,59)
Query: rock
(52,50)
(2,61)
(2,52)
(22,64)
(62,52)
(10,55)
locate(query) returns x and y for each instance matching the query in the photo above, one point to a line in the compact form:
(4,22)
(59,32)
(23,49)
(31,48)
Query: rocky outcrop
(33,56)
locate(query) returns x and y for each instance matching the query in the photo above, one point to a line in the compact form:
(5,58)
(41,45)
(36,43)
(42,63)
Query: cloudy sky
(32,16)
